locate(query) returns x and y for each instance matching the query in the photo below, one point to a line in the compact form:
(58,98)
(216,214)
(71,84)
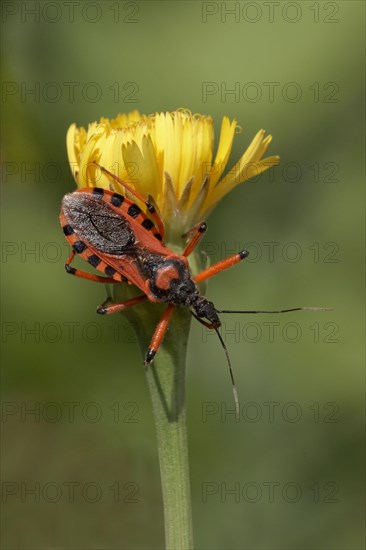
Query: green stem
(166,382)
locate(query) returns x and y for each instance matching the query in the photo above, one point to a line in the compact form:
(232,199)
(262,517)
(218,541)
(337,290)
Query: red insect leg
(84,275)
(114,308)
(151,208)
(220,266)
(159,334)
(197,233)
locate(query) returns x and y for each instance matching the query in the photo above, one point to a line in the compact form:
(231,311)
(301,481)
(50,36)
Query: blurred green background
(294,462)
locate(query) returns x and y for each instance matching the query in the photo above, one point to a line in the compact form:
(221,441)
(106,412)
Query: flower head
(168,156)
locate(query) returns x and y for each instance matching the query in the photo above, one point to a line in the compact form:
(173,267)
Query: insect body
(112,233)
(117,238)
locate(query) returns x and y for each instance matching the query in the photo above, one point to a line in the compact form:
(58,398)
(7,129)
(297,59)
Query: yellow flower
(168,156)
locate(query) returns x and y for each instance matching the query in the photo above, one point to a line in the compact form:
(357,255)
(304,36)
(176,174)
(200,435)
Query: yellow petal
(71,151)
(224,149)
(203,154)
(232,179)
(90,175)
(75,142)
(141,167)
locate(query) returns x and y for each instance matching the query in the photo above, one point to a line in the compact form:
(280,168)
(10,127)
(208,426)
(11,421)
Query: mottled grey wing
(94,221)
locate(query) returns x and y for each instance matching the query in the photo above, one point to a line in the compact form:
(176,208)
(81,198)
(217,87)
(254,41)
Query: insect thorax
(169,278)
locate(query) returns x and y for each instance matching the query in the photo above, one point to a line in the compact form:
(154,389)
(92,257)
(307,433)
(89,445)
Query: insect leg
(159,334)
(150,207)
(196,234)
(220,266)
(83,274)
(114,308)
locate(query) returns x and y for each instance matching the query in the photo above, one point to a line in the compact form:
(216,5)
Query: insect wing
(109,231)
(144,228)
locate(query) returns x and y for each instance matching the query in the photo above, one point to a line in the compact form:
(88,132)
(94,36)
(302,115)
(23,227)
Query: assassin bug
(117,238)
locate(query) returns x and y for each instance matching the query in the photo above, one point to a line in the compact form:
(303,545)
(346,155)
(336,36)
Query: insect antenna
(276,310)
(233,385)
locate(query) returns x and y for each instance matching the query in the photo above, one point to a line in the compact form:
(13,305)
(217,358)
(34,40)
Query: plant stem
(166,382)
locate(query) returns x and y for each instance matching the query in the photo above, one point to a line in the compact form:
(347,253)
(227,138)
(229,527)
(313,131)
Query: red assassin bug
(112,233)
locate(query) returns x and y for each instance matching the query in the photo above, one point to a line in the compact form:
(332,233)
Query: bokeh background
(289,474)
